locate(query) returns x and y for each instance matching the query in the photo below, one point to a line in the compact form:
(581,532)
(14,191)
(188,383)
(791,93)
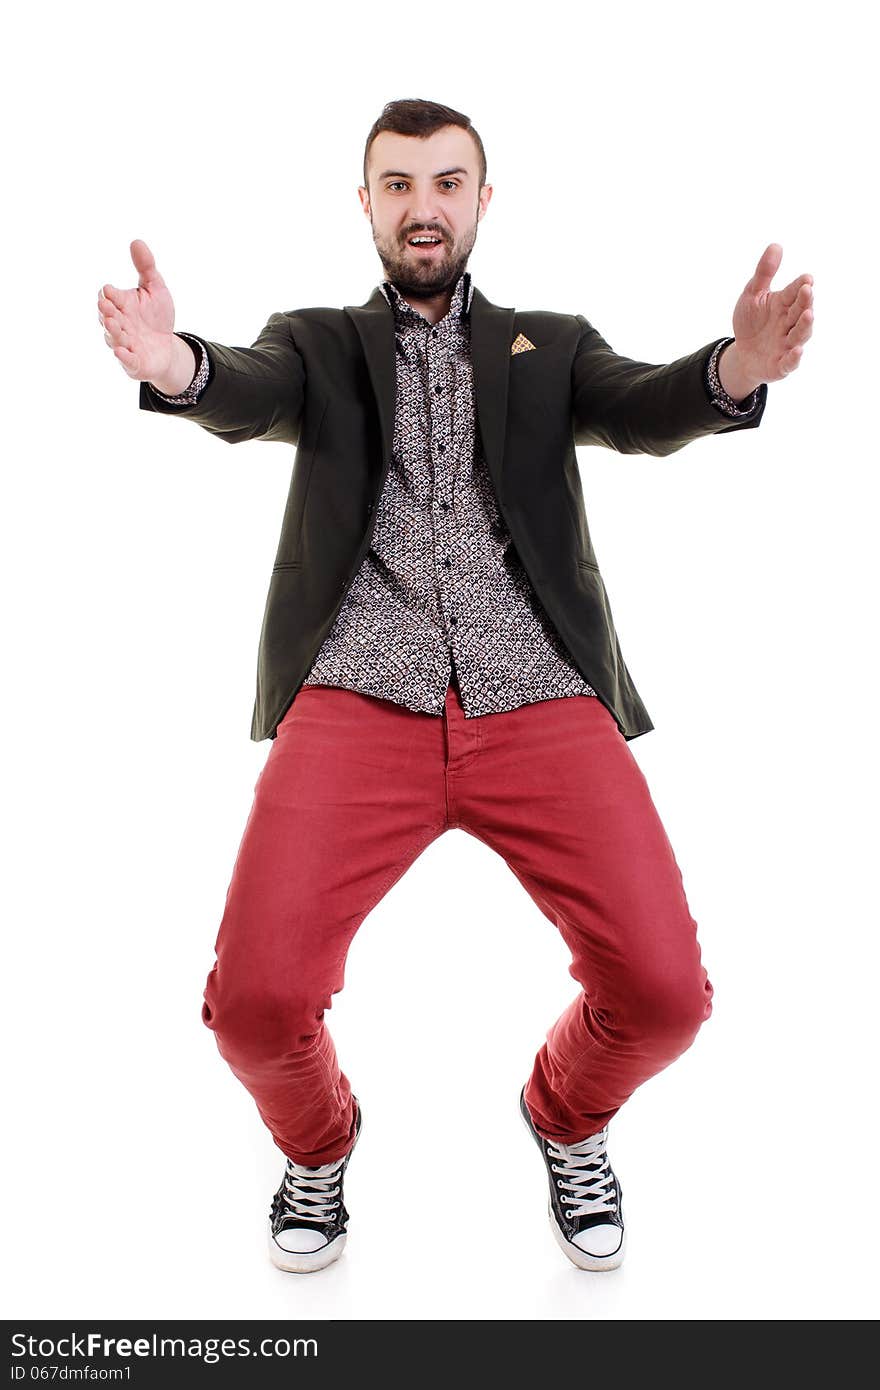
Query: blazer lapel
(491,332)
(374,322)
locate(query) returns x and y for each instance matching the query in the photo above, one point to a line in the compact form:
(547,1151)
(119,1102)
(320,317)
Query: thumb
(145,264)
(766,268)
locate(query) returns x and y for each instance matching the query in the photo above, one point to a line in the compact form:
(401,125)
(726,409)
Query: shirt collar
(405,314)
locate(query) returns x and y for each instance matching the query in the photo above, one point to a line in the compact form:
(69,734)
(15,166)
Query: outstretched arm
(236,393)
(640,407)
(241,393)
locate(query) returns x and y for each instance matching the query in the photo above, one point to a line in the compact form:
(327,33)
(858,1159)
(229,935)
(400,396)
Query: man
(438,651)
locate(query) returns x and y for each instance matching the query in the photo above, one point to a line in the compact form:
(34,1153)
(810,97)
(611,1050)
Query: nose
(424,218)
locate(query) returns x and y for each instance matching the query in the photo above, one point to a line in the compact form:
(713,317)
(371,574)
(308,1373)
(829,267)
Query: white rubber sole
(307,1262)
(573,1252)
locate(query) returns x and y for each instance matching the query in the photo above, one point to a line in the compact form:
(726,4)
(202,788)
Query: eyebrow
(399,173)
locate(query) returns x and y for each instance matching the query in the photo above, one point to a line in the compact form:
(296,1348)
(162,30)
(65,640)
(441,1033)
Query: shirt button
(448,564)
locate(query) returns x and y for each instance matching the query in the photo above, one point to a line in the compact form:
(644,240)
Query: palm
(771,327)
(139,322)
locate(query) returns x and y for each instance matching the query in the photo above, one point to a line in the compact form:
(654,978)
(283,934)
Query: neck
(433,307)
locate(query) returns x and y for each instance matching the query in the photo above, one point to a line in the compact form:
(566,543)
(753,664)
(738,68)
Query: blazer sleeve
(642,408)
(254,392)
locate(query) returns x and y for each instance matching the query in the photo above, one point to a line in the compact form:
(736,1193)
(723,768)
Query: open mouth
(426,247)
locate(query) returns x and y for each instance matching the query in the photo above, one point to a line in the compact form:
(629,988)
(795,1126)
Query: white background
(642,158)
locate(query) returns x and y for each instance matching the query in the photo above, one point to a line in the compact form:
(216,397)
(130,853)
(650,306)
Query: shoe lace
(307,1192)
(587,1175)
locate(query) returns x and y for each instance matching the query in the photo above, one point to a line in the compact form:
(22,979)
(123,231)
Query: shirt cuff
(717,394)
(200,378)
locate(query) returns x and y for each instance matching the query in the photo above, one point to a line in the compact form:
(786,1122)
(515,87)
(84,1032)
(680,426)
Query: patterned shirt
(442,588)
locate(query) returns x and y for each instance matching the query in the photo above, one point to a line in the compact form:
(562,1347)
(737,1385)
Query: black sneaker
(586,1200)
(308,1219)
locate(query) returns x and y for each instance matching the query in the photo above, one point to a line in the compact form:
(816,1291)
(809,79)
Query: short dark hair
(412,116)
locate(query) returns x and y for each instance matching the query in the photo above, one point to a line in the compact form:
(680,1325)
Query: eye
(401,184)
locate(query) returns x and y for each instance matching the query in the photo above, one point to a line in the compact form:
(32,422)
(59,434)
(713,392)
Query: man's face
(427,187)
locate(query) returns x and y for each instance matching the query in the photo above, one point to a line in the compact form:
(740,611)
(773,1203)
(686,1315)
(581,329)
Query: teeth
(428,240)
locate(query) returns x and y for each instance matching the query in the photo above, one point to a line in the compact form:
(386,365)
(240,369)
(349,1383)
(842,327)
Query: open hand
(772,326)
(139,323)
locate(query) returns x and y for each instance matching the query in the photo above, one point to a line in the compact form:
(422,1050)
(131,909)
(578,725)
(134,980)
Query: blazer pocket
(587,564)
(287,565)
(530,352)
(540,353)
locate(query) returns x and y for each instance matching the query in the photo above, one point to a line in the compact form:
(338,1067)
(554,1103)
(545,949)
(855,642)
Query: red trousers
(353,790)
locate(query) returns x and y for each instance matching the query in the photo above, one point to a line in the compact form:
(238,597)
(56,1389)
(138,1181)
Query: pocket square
(521,344)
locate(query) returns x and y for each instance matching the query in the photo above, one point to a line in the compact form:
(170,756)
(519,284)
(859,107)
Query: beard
(419,275)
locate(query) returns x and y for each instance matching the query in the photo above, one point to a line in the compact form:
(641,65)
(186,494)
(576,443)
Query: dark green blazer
(324,380)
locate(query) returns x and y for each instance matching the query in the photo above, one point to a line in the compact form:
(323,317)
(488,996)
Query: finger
(106,307)
(802,330)
(802,286)
(114,296)
(129,360)
(790,360)
(766,268)
(114,333)
(802,300)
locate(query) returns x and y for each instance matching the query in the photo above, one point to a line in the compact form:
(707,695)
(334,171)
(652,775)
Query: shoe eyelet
(558,1182)
(569,1214)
